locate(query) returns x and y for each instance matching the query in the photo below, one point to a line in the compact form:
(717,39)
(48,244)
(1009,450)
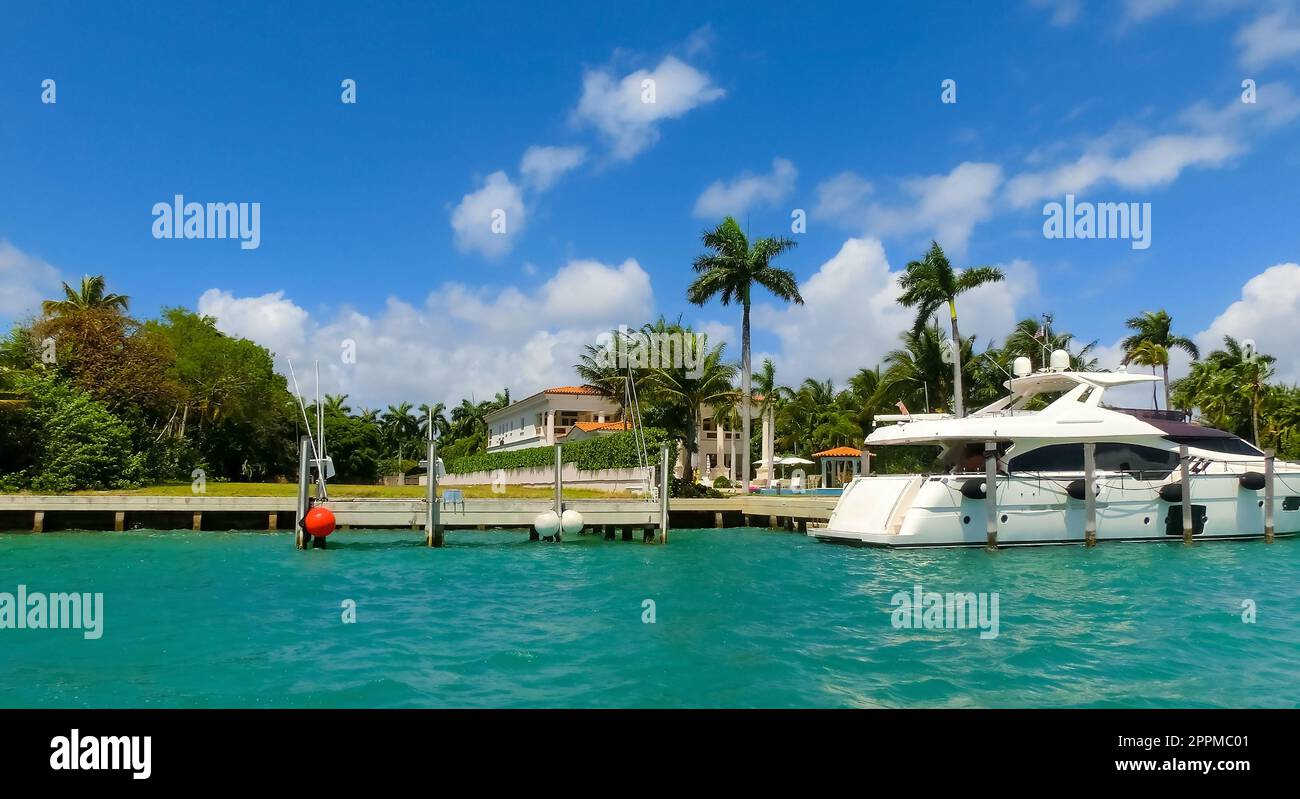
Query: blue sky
(374,216)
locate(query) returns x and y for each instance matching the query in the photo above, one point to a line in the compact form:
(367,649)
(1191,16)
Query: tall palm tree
(729,271)
(932,282)
(91,295)
(1155,327)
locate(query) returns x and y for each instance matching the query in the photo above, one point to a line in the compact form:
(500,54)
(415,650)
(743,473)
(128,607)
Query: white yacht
(1040,485)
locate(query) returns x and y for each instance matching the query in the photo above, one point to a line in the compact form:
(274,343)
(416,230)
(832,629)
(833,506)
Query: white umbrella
(794,461)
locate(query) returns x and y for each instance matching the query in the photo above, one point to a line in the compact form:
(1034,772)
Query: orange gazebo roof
(839,452)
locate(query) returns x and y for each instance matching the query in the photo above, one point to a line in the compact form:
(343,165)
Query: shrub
(616,451)
(683,488)
(721,481)
(82,444)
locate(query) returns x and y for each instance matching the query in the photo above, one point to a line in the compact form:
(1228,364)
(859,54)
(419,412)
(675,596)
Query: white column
(550,427)
(721,432)
(769,446)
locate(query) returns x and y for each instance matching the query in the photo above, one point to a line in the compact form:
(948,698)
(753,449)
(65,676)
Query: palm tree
(598,366)
(400,427)
(917,374)
(1155,327)
(930,283)
(91,295)
(682,390)
(729,272)
(1033,340)
(337,404)
(438,413)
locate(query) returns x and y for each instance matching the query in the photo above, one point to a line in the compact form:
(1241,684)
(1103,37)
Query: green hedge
(616,451)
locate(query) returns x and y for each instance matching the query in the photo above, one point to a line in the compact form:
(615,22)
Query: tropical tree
(92,294)
(729,271)
(917,374)
(436,412)
(400,428)
(932,282)
(1152,341)
(682,390)
(337,404)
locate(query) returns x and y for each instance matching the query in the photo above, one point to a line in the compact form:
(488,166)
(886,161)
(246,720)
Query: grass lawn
(340,491)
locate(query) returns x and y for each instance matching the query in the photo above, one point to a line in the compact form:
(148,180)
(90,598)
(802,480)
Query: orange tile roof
(587,427)
(839,452)
(578,390)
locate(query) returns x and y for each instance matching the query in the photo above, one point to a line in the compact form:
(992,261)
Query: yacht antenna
(1047,340)
(998,365)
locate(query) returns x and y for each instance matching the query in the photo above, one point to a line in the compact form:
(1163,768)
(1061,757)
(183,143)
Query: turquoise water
(742,618)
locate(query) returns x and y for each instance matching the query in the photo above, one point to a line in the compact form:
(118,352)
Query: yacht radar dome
(1022,367)
(1060,360)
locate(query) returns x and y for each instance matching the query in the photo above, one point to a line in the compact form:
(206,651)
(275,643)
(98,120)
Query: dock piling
(304,479)
(119,521)
(663,495)
(1269,457)
(559,492)
(38,521)
(991,492)
(1186,482)
(433,532)
(1090,495)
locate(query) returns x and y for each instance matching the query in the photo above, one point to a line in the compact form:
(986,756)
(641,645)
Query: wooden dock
(39,513)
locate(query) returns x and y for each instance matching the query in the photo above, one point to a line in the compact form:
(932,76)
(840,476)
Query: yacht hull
(926,511)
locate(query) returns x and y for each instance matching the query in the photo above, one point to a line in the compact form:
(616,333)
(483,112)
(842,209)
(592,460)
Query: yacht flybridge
(1037,448)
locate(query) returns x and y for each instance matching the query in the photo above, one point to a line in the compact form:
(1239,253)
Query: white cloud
(945,207)
(1269,313)
(271,320)
(25,281)
(841,198)
(473,219)
(1272,38)
(459,342)
(1150,164)
(542,166)
(620,108)
(1138,11)
(733,198)
(1210,137)
(1063,12)
(851,317)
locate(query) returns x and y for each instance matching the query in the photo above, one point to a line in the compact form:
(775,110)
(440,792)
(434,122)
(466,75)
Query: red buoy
(319,522)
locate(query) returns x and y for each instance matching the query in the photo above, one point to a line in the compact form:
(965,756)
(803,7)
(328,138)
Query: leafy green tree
(684,390)
(931,283)
(79,443)
(729,271)
(92,294)
(1152,341)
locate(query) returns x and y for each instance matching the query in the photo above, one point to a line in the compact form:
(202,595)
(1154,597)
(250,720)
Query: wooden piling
(991,493)
(1089,495)
(718,521)
(1186,482)
(38,521)
(198,521)
(272,521)
(771,522)
(119,521)
(1269,467)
